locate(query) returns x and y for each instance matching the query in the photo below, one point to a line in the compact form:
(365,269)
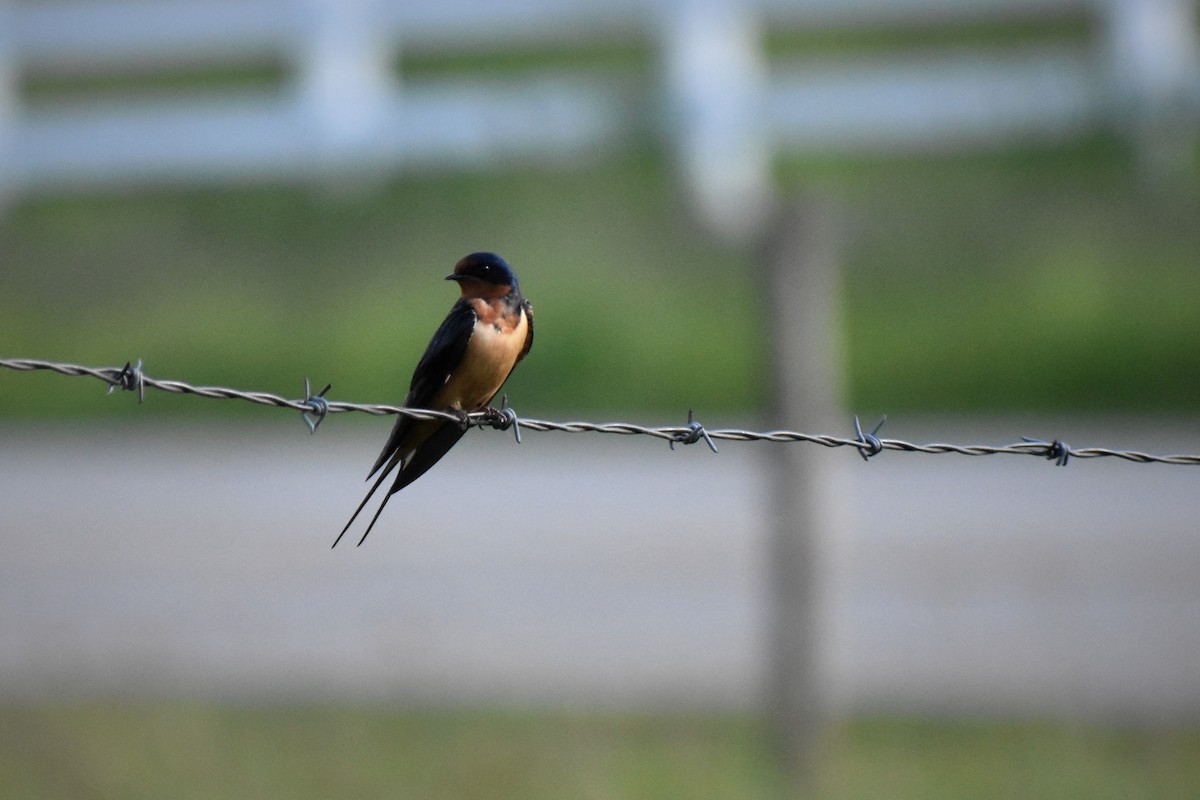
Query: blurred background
(990,208)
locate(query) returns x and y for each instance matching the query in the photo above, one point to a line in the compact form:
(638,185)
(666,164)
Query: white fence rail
(724,107)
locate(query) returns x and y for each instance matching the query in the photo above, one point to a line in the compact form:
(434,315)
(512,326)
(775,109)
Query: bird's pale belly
(491,355)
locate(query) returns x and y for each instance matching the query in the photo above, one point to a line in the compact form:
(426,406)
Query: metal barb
(317,405)
(1057,451)
(871,444)
(129,378)
(694,433)
(502,418)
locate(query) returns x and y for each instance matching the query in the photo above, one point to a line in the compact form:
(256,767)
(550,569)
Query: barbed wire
(315,407)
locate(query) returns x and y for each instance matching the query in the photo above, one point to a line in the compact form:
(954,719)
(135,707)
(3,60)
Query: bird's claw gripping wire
(462,417)
(502,418)
(318,406)
(129,378)
(870,444)
(694,433)
(1057,451)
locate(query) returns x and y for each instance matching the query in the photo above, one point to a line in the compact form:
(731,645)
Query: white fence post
(1154,48)
(716,85)
(345,76)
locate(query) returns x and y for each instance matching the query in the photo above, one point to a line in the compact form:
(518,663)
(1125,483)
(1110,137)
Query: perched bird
(488,330)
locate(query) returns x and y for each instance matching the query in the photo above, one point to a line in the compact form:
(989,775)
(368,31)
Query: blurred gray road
(592,570)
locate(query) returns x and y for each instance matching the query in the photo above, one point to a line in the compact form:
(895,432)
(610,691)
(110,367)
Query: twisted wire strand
(131,378)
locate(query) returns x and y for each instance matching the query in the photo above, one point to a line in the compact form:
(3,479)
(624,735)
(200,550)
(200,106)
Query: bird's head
(484,275)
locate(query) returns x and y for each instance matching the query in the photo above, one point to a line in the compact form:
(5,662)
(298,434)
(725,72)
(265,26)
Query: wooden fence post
(799,260)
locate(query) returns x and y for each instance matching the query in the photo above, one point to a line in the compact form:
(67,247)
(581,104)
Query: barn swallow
(488,330)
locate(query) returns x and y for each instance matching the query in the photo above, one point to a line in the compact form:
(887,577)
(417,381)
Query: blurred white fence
(725,107)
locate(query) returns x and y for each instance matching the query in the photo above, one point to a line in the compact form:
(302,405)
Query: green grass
(1024,280)
(1042,280)
(199,751)
(889,35)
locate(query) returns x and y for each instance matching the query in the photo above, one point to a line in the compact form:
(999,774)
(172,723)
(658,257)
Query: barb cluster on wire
(315,408)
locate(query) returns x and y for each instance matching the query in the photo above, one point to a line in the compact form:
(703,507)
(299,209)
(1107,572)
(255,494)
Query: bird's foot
(464,419)
(502,418)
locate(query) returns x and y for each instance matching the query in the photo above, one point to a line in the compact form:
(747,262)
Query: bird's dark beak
(455,277)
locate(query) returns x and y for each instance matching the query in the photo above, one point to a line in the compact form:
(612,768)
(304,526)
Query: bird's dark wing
(445,436)
(443,355)
(424,457)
